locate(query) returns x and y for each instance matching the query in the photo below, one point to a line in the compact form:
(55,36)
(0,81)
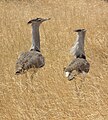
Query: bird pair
(34,59)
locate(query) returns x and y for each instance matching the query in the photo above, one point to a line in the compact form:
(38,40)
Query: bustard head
(80,31)
(38,21)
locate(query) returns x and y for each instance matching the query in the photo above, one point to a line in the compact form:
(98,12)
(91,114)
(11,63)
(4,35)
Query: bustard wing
(79,65)
(30,59)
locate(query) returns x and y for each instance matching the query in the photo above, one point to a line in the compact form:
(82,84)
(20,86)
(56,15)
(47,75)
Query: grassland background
(48,95)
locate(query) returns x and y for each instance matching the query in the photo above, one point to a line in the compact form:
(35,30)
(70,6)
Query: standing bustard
(79,64)
(32,58)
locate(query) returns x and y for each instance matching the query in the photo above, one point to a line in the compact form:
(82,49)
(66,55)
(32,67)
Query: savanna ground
(48,95)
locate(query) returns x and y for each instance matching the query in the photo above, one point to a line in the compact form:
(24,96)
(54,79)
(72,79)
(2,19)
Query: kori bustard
(32,58)
(79,64)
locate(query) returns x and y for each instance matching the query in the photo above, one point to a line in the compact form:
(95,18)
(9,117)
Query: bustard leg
(83,76)
(32,75)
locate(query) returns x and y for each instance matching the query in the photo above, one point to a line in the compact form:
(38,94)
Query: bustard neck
(78,49)
(80,44)
(35,38)
(81,37)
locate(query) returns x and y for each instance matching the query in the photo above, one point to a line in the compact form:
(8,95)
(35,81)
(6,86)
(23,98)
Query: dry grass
(48,95)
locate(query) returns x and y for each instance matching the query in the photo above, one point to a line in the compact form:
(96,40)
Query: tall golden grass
(48,95)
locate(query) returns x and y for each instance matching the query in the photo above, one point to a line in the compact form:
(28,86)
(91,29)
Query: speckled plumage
(30,59)
(79,65)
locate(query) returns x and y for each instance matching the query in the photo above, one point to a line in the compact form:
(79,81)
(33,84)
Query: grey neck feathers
(35,38)
(78,48)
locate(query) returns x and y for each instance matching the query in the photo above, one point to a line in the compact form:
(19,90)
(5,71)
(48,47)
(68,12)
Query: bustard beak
(46,19)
